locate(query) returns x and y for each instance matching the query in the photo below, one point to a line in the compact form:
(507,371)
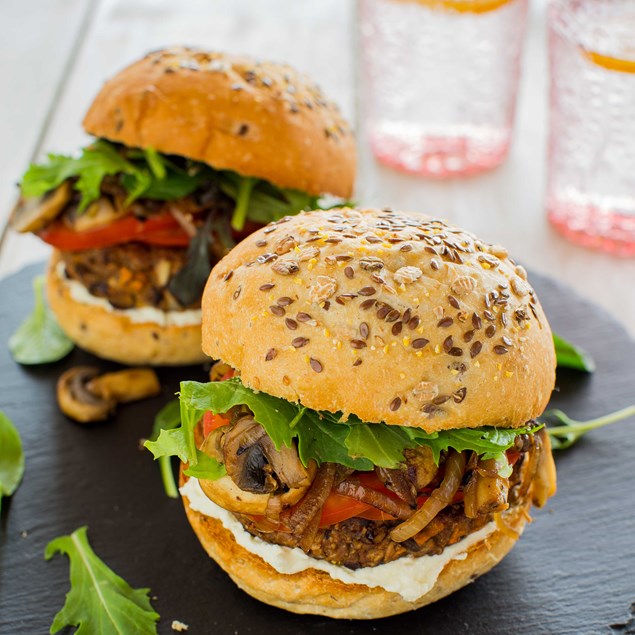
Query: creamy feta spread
(408,576)
(80,293)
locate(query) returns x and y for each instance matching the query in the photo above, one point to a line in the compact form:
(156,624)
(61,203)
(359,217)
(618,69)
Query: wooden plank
(36,54)
(314,37)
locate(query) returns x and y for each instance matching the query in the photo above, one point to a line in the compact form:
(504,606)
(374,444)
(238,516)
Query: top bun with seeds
(256,118)
(393,317)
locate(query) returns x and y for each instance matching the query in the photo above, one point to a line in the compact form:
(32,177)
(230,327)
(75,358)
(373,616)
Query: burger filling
(353,493)
(141,229)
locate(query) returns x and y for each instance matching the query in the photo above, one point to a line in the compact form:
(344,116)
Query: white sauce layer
(80,293)
(408,576)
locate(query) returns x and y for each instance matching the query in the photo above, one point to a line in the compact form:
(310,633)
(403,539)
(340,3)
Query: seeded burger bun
(255,118)
(258,119)
(112,334)
(406,326)
(405,311)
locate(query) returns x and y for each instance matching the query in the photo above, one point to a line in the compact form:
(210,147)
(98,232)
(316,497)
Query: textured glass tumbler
(439,81)
(591,179)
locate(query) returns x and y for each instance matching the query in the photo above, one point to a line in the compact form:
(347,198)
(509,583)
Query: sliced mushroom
(486,492)
(79,403)
(85,395)
(420,466)
(127,385)
(32,214)
(255,465)
(98,214)
(544,485)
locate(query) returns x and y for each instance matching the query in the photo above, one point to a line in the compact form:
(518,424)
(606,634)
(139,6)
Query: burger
(192,151)
(369,443)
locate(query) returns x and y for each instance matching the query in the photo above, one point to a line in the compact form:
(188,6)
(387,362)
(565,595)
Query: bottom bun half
(114,336)
(313,591)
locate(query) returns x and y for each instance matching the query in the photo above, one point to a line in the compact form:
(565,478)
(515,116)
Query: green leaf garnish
(11,457)
(39,339)
(149,174)
(168,418)
(570,356)
(99,601)
(569,430)
(188,284)
(320,436)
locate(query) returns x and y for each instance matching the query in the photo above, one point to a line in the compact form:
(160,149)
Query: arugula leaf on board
(321,436)
(11,457)
(168,418)
(39,339)
(99,601)
(569,430)
(570,356)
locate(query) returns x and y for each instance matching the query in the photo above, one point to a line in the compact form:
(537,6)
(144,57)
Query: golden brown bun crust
(477,348)
(115,337)
(256,118)
(314,591)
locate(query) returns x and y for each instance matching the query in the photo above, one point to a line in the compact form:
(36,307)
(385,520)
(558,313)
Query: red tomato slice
(211,422)
(338,508)
(160,230)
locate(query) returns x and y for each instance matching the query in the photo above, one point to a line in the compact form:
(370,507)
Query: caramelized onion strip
(379,500)
(439,499)
(313,501)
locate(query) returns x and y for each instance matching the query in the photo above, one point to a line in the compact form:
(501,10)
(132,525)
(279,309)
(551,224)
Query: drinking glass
(591,178)
(439,81)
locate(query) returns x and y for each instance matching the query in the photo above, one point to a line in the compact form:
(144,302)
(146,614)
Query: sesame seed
(406,316)
(271,354)
(396,328)
(367,304)
(395,404)
(358,344)
(299,342)
(266,287)
(420,342)
(434,264)
(367,291)
(489,316)
(349,273)
(445,322)
(506,340)
(316,365)
(477,323)
(393,315)
(475,349)
(490,330)
(261,243)
(455,351)
(405,247)
(383,312)
(228,275)
(237,293)
(291,324)
(277,310)
(284,301)
(454,302)
(448,343)
(468,335)
(303,317)
(500,350)
(414,322)
(357,362)
(364,331)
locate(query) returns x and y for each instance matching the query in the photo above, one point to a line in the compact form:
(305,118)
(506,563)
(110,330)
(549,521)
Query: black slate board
(572,572)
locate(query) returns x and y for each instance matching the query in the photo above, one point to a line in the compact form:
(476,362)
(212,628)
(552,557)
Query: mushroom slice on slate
(85,395)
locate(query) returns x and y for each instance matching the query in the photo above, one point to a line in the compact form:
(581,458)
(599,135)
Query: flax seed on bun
(256,118)
(390,316)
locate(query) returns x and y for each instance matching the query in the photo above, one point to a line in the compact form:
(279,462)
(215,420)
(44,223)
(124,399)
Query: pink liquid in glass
(591,180)
(439,80)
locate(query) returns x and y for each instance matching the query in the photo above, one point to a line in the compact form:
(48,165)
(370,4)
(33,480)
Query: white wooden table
(55,54)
